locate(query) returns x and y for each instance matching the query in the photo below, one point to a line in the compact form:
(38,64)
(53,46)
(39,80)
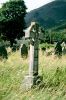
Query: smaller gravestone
(14,48)
(23,51)
(58,49)
(3,52)
(63,48)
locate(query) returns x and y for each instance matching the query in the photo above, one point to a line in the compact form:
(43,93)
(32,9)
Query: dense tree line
(54,36)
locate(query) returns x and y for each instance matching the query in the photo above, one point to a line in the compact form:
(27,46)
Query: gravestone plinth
(33,34)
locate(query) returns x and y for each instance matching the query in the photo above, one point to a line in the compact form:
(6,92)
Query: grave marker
(33,34)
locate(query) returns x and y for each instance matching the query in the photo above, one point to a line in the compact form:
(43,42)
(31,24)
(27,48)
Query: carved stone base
(30,81)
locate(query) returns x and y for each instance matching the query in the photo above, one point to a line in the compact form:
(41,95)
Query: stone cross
(33,33)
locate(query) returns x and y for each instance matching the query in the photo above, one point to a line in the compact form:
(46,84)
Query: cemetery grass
(51,68)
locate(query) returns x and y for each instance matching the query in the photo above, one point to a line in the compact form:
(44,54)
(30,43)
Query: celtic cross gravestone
(33,34)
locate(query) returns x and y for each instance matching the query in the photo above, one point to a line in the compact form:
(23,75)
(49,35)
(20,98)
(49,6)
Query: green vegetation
(54,35)
(52,17)
(46,45)
(51,68)
(12,74)
(12,21)
(49,15)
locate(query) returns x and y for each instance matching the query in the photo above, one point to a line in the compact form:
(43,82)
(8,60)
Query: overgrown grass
(13,70)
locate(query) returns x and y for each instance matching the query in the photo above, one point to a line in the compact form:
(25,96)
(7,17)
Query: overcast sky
(32,4)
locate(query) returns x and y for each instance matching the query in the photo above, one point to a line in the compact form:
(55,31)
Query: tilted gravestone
(33,34)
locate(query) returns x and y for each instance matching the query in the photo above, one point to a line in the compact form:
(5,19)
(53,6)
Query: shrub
(45,46)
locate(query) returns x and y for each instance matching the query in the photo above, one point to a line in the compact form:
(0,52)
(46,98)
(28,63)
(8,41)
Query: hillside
(49,15)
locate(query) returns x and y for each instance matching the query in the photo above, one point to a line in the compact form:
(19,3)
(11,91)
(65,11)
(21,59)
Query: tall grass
(51,68)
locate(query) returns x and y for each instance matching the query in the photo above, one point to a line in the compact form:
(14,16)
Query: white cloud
(32,4)
(2,1)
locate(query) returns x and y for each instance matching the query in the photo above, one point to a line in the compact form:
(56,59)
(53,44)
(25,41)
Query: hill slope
(49,15)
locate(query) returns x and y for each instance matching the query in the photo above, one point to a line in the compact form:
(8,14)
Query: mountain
(50,15)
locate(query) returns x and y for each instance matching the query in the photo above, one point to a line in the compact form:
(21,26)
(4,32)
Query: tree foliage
(12,20)
(51,36)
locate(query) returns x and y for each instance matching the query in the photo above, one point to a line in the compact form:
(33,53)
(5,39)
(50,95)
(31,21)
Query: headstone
(63,48)
(58,49)
(33,35)
(3,52)
(23,51)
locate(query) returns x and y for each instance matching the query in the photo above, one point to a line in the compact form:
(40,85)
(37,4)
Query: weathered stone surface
(31,60)
(36,53)
(34,31)
(32,78)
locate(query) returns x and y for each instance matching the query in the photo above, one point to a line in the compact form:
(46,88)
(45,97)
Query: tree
(12,21)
